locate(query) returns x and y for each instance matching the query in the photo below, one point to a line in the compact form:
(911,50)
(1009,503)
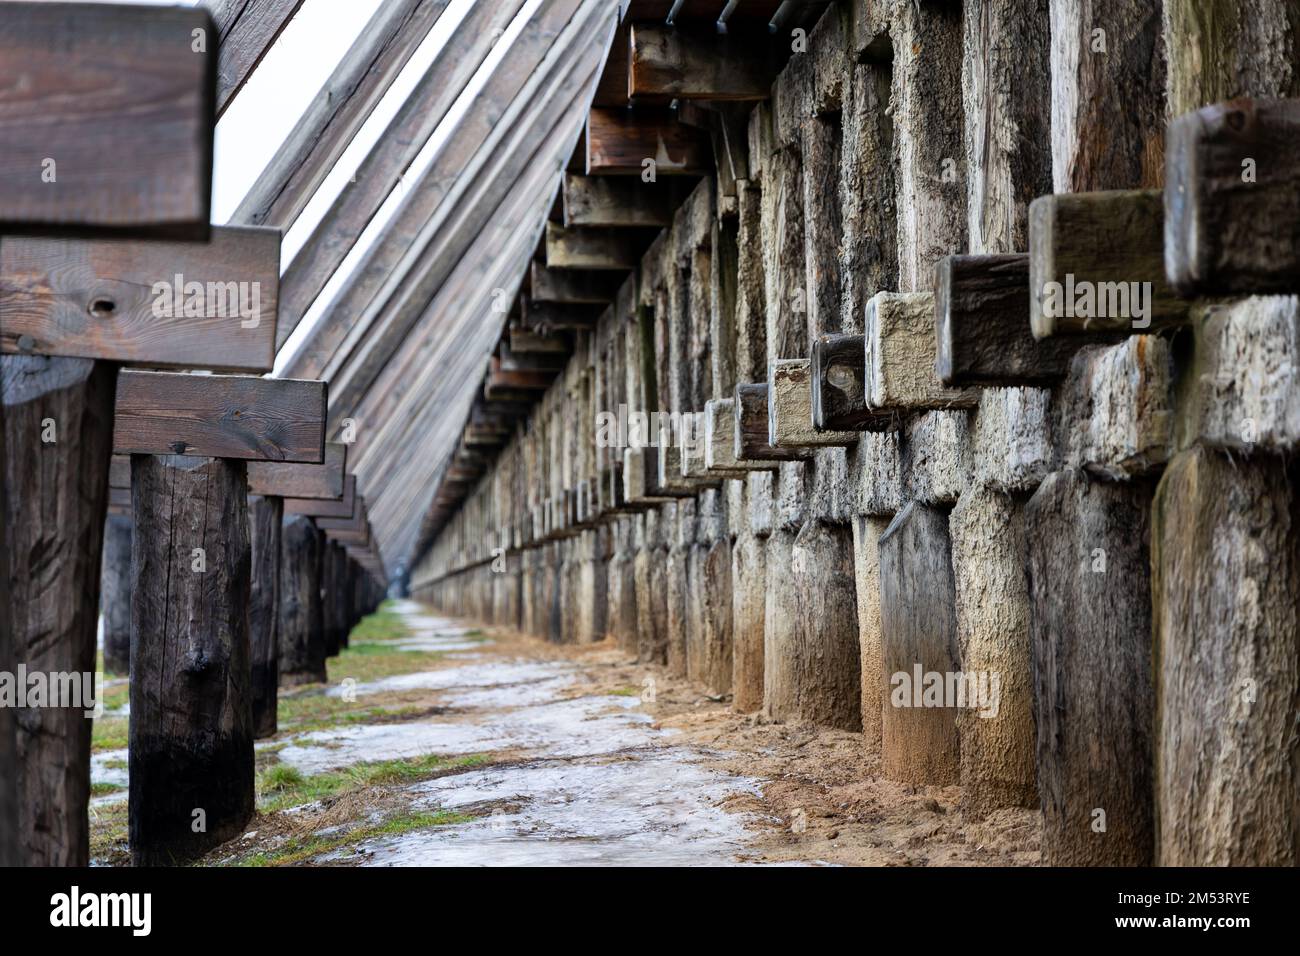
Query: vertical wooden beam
(115,594)
(265,516)
(57,422)
(302,640)
(191,752)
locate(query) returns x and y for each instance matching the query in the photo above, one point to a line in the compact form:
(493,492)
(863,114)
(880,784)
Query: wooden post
(265,516)
(1225,575)
(919,743)
(1090,618)
(115,594)
(191,750)
(57,421)
(301,639)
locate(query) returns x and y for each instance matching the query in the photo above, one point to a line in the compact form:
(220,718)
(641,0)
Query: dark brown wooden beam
(219,416)
(106,121)
(620,201)
(288,479)
(1232,199)
(837,377)
(752,428)
(982,331)
(341,507)
(570,287)
(208,305)
(700,65)
(582,247)
(621,142)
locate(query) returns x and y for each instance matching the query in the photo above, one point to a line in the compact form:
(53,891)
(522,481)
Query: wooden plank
(570,287)
(1232,207)
(341,507)
(697,65)
(720,440)
(619,143)
(981,311)
(220,416)
(1097,264)
(1090,626)
(246,29)
(298,479)
(618,201)
(205,305)
(580,247)
(88,81)
(918,619)
(529,342)
(392,154)
(115,593)
(338,111)
(191,734)
(899,355)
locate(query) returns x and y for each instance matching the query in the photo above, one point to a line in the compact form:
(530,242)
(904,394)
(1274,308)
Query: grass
(384,624)
(299,849)
(108,733)
(100,789)
(280,786)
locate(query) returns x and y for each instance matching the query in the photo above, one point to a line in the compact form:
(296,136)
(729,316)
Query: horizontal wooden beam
(341,507)
(209,305)
(699,65)
(291,479)
(246,31)
(752,428)
(219,416)
(900,349)
(720,440)
(837,376)
(789,408)
(1232,199)
(106,120)
(981,318)
(641,142)
(570,287)
(530,342)
(620,201)
(1097,264)
(582,247)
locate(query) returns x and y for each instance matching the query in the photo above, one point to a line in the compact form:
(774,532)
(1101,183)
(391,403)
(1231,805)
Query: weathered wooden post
(191,756)
(93,99)
(265,514)
(115,593)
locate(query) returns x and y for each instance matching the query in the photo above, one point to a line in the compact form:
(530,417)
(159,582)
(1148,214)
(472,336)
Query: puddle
(658,808)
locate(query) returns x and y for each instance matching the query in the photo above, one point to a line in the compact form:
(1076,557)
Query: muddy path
(439,743)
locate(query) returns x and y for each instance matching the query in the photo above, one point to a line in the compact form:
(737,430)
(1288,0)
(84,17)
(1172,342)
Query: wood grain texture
(1105,245)
(619,142)
(789,408)
(220,416)
(1225,581)
(133,302)
(578,247)
(699,65)
(837,377)
(54,523)
(341,507)
(900,346)
(338,111)
(246,30)
(301,633)
(618,201)
(1232,199)
(300,480)
(919,744)
(115,593)
(751,431)
(1088,563)
(981,318)
(568,287)
(191,732)
(265,516)
(1108,95)
(88,81)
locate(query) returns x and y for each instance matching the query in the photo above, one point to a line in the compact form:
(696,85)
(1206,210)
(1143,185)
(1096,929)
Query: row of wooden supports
(103,267)
(901,439)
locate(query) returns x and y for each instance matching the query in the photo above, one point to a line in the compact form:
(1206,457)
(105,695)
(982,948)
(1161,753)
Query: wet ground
(438,743)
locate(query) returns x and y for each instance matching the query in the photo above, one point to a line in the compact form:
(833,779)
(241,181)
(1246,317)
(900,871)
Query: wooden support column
(650,573)
(191,750)
(749,590)
(58,416)
(301,634)
(115,594)
(1090,619)
(1225,579)
(265,517)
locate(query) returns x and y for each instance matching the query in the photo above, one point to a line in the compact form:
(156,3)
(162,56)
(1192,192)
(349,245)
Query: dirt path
(438,743)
